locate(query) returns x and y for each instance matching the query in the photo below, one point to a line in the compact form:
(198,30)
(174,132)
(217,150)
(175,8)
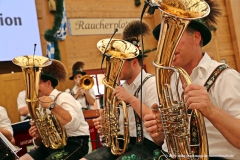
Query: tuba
(116,52)
(184,141)
(51,131)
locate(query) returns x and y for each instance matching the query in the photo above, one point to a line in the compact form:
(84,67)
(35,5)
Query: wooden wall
(225,43)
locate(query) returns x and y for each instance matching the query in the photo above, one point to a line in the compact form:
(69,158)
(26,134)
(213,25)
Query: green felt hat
(195,24)
(54,72)
(203,25)
(77,71)
(47,76)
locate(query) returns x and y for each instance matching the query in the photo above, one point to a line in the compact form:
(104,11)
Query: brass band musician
(219,104)
(67,112)
(86,97)
(131,73)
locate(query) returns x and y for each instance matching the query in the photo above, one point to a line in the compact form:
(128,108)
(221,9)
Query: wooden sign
(95,26)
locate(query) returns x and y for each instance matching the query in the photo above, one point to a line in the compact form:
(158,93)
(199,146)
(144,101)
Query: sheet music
(8,144)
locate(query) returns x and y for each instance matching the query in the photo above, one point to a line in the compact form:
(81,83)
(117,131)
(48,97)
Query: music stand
(5,143)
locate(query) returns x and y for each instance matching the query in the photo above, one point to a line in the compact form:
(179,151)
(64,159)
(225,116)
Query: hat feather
(57,70)
(215,11)
(133,30)
(78,66)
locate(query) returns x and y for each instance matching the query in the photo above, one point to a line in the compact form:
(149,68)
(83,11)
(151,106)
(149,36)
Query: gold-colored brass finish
(118,48)
(110,117)
(52,133)
(86,82)
(32,61)
(110,121)
(190,9)
(176,123)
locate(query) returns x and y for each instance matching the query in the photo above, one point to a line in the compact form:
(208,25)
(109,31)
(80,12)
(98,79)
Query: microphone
(115,31)
(104,54)
(152,7)
(34,49)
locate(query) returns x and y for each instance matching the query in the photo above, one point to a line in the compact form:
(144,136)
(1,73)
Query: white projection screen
(19,31)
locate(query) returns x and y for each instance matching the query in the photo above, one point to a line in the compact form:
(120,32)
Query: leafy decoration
(50,33)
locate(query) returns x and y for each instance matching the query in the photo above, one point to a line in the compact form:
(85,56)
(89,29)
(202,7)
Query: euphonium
(116,53)
(85,82)
(179,134)
(51,131)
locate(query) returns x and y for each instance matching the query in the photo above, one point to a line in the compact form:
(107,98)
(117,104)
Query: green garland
(50,33)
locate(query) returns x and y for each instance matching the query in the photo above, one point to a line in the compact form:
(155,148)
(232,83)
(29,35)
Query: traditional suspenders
(139,130)
(208,84)
(212,78)
(57,96)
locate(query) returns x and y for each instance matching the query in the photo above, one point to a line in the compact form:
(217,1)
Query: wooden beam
(234,23)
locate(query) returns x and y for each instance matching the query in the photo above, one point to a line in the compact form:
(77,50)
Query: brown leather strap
(139,128)
(194,140)
(213,77)
(57,96)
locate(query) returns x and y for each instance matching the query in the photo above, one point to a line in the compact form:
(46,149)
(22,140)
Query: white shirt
(225,93)
(78,126)
(82,100)
(5,122)
(149,95)
(21,102)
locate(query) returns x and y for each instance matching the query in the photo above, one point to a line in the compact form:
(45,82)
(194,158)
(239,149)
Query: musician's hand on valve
(153,122)
(97,122)
(196,97)
(122,94)
(153,125)
(82,91)
(33,131)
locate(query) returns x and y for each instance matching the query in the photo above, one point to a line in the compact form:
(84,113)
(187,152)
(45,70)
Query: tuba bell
(183,141)
(116,52)
(51,131)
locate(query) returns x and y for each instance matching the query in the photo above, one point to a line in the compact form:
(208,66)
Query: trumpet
(86,82)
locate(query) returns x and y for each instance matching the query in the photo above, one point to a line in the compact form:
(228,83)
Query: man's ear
(197,37)
(135,61)
(49,82)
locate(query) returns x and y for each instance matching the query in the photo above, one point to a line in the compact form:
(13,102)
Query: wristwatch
(52,106)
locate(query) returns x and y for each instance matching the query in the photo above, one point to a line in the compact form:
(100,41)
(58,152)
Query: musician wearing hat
(85,96)
(211,93)
(140,144)
(68,113)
